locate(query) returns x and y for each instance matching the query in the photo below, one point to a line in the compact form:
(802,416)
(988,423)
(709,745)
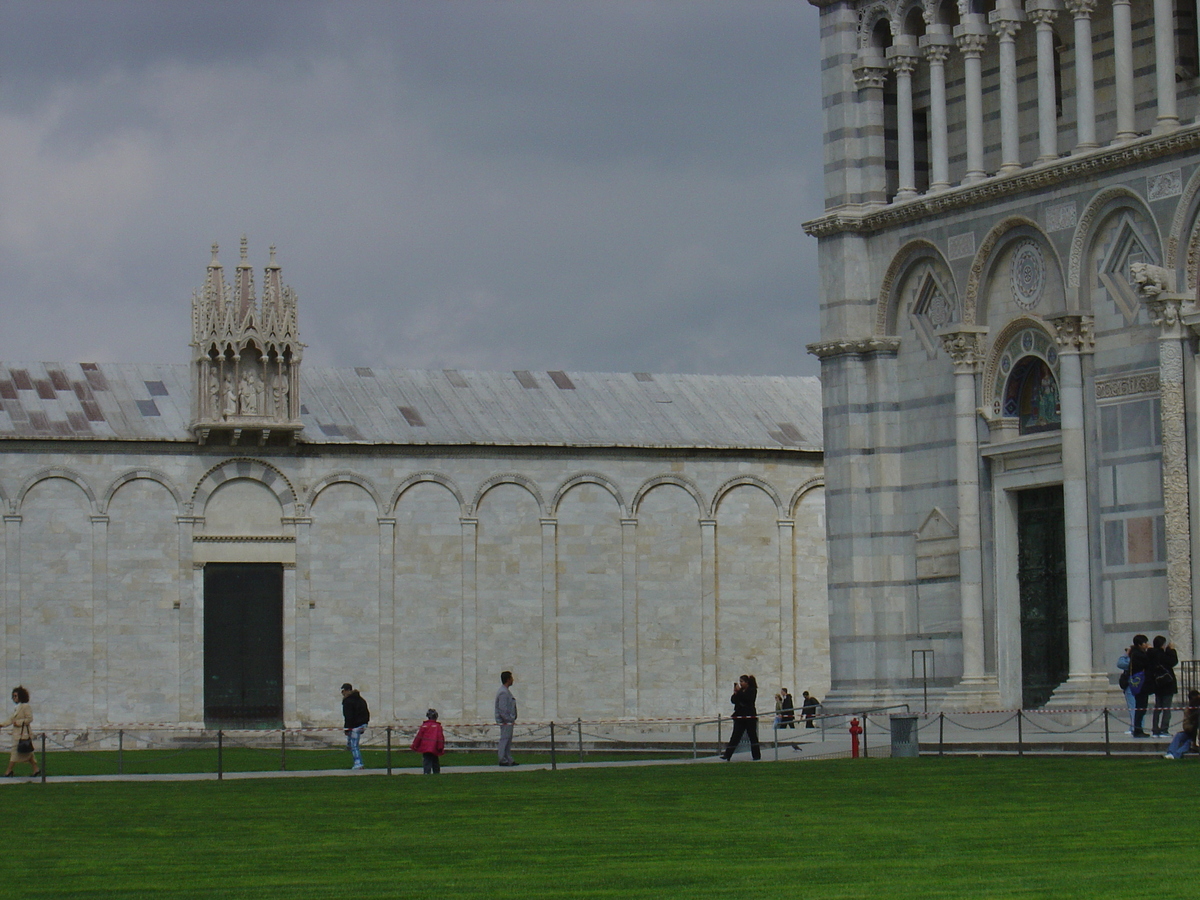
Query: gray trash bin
(905,736)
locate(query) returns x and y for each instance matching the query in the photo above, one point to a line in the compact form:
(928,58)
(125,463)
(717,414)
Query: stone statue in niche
(281,395)
(214,393)
(248,393)
(230,394)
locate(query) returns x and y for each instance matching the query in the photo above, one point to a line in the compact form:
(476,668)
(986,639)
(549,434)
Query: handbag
(25,744)
(1137,682)
(1164,680)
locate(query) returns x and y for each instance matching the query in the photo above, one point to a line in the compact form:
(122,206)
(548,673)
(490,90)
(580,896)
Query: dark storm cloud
(607,185)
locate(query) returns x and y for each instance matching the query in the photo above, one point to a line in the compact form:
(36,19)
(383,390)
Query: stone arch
(519,480)
(146,475)
(995,373)
(246,467)
(421,478)
(56,472)
(652,483)
(1185,226)
(587,478)
(1003,233)
(888,306)
(1105,201)
(739,481)
(817,482)
(343,478)
(869,22)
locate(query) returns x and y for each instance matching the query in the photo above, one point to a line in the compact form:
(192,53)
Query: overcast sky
(590,185)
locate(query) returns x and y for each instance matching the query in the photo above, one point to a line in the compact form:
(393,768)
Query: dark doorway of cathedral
(1042,575)
(243,645)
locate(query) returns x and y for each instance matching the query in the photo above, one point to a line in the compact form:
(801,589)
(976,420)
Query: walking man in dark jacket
(355,717)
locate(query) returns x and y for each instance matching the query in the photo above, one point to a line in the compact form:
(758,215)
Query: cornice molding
(1094,162)
(885,345)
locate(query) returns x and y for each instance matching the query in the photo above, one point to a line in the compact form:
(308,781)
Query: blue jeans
(1131,702)
(353,736)
(1180,744)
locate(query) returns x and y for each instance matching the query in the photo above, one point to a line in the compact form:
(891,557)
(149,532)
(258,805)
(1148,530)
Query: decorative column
(1006,22)
(1164,64)
(708,611)
(473,704)
(1043,13)
(1156,286)
(966,345)
(12,598)
(787,601)
(971,38)
(291,718)
(1075,336)
(870,75)
(100,619)
(549,618)
(904,59)
(303,614)
(1123,64)
(386,691)
(1085,86)
(629,616)
(936,44)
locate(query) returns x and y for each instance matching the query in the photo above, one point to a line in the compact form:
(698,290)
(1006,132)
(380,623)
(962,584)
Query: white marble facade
(613,584)
(1010,187)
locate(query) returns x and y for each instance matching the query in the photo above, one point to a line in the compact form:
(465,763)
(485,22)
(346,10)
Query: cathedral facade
(1009,256)
(226,541)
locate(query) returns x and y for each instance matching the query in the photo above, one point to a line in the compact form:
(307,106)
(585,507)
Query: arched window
(1031,396)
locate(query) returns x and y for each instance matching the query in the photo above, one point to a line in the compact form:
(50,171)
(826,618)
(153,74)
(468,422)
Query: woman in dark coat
(745,717)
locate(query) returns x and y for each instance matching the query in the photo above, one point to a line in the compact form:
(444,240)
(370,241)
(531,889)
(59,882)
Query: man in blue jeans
(355,717)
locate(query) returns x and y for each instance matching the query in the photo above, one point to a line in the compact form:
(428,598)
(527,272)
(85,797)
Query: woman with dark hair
(21,721)
(745,716)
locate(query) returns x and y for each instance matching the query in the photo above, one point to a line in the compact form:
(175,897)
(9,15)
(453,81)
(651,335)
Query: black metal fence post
(718,729)
(1107,747)
(1020,736)
(389,752)
(220,755)
(864,736)
(42,767)
(553,755)
(941,734)
(283,751)
(120,751)
(579,725)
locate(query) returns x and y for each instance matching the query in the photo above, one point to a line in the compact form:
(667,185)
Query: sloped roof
(132,402)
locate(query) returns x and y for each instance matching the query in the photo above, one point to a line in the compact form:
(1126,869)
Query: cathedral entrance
(243,645)
(1042,576)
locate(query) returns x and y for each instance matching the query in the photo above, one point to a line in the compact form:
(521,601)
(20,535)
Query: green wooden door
(1042,575)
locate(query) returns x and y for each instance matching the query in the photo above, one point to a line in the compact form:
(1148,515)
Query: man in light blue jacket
(506,717)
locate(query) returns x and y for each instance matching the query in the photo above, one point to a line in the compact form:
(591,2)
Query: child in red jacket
(430,742)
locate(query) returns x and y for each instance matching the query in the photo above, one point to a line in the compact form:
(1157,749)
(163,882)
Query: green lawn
(919,828)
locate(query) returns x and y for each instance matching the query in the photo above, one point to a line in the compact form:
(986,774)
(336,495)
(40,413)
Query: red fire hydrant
(855,731)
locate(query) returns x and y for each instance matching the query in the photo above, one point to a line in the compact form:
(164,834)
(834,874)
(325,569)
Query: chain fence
(154,749)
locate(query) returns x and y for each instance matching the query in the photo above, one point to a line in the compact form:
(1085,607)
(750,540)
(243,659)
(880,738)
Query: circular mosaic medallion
(1028,275)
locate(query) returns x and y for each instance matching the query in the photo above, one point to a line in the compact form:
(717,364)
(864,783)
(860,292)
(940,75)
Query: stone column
(971,38)
(472,702)
(387,618)
(100,619)
(1043,13)
(787,602)
(936,44)
(966,345)
(904,59)
(1085,88)
(708,611)
(1006,22)
(1075,336)
(549,618)
(291,715)
(1123,64)
(1164,63)
(629,613)
(870,75)
(304,605)
(12,598)
(190,663)
(1165,307)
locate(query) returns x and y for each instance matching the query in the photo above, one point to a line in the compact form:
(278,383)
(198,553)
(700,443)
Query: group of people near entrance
(1148,670)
